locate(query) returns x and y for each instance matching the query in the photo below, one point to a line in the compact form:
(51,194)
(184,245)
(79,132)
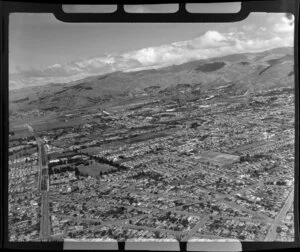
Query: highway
(43,187)
(45,218)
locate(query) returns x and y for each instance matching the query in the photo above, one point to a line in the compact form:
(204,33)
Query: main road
(43,187)
(271,236)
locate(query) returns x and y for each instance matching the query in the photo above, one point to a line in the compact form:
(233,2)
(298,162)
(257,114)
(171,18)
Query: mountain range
(246,72)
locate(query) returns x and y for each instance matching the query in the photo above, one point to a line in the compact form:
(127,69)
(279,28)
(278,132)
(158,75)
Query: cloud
(210,44)
(248,27)
(263,29)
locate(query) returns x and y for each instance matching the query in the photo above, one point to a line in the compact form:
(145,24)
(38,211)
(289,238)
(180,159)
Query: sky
(45,50)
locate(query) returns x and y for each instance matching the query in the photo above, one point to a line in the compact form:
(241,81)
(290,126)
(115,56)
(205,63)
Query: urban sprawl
(212,167)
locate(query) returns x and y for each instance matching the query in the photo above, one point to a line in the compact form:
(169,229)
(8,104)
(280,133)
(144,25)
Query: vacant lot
(218,158)
(95,169)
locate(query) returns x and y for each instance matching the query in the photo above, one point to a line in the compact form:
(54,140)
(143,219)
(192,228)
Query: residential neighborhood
(205,168)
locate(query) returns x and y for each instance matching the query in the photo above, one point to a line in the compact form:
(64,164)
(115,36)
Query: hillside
(250,72)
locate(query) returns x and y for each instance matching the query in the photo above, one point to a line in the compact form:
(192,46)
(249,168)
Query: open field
(95,169)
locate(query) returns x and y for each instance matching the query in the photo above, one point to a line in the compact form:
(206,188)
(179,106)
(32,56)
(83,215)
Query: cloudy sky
(44,50)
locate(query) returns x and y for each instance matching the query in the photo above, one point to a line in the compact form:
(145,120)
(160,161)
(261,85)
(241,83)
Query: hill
(248,72)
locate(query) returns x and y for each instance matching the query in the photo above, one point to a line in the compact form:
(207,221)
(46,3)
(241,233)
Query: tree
(242,237)
(184,222)
(156,234)
(77,173)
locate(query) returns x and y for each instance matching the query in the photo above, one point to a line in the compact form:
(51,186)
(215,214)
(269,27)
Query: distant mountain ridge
(248,71)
